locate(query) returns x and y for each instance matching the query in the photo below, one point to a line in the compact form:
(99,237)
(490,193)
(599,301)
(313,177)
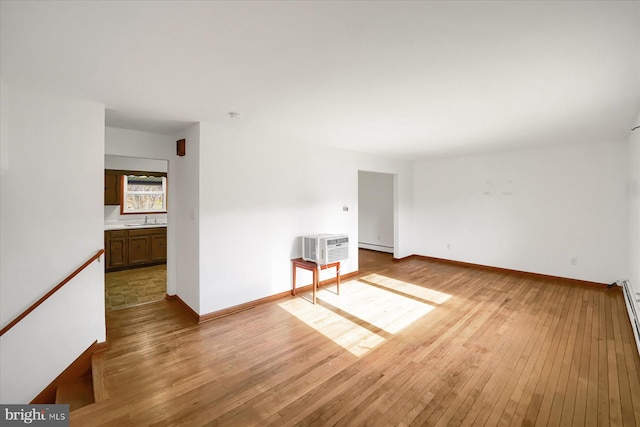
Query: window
(144,194)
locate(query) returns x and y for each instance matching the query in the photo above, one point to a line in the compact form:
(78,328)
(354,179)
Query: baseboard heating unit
(631,301)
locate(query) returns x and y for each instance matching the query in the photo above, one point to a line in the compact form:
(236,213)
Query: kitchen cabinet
(159,247)
(116,249)
(111,187)
(135,247)
(139,252)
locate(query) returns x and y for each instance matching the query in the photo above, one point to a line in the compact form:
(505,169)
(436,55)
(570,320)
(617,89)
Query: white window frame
(125,192)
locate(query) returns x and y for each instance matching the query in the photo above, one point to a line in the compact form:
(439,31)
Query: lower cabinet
(139,249)
(135,248)
(116,248)
(159,247)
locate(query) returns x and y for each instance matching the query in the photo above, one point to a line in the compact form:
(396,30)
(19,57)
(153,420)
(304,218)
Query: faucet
(146,218)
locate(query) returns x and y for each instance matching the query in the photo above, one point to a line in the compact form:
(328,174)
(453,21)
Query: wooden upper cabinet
(111,188)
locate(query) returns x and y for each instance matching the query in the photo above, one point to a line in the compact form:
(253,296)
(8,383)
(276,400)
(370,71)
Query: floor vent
(631,300)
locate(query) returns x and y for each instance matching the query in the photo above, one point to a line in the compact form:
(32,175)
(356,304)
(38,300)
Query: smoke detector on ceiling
(234,115)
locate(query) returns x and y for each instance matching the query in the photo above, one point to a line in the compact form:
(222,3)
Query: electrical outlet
(574,261)
(448,245)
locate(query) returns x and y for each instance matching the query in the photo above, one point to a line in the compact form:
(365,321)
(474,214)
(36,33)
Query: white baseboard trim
(373,247)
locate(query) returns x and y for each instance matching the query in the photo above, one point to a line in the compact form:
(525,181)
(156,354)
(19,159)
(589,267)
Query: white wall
(530,210)
(51,223)
(135,163)
(131,143)
(375,211)
(4,126)
(112,215)
(186,179)
(634,207)
(258,197)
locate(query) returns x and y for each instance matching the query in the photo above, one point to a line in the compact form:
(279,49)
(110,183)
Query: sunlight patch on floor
(363,316)
(408,288)
(348,335)
(383,309)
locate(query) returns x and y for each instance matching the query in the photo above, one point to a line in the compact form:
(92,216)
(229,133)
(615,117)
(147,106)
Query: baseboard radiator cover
(631,301)
(375,247)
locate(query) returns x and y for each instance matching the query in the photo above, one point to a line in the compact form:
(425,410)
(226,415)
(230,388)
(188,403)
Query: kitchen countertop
(131,226)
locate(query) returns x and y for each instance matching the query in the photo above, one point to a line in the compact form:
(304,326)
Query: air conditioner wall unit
(325,249)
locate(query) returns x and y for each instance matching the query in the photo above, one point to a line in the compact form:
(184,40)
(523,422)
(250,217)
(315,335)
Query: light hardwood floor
(414,342)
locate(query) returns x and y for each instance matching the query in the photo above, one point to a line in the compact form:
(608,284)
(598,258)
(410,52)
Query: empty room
(320,213)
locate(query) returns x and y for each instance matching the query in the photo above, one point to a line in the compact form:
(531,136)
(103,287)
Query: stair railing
(51,292)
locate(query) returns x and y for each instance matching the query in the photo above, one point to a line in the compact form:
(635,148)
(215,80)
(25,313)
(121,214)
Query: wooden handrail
(51,292)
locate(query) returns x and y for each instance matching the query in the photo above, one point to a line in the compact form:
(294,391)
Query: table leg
(338,278)
(293,289)
(315,284)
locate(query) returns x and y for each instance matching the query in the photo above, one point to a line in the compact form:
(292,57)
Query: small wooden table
(313,267)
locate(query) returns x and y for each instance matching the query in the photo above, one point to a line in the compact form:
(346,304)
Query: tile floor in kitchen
(128,288)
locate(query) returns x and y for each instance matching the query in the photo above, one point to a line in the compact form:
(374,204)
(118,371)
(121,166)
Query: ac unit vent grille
(309,248)
(338,254)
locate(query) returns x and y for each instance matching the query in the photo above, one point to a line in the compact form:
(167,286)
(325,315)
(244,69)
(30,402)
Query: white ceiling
(402,79)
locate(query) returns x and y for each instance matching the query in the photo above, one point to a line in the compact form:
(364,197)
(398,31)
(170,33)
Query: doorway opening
(135,242)
(376,211)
